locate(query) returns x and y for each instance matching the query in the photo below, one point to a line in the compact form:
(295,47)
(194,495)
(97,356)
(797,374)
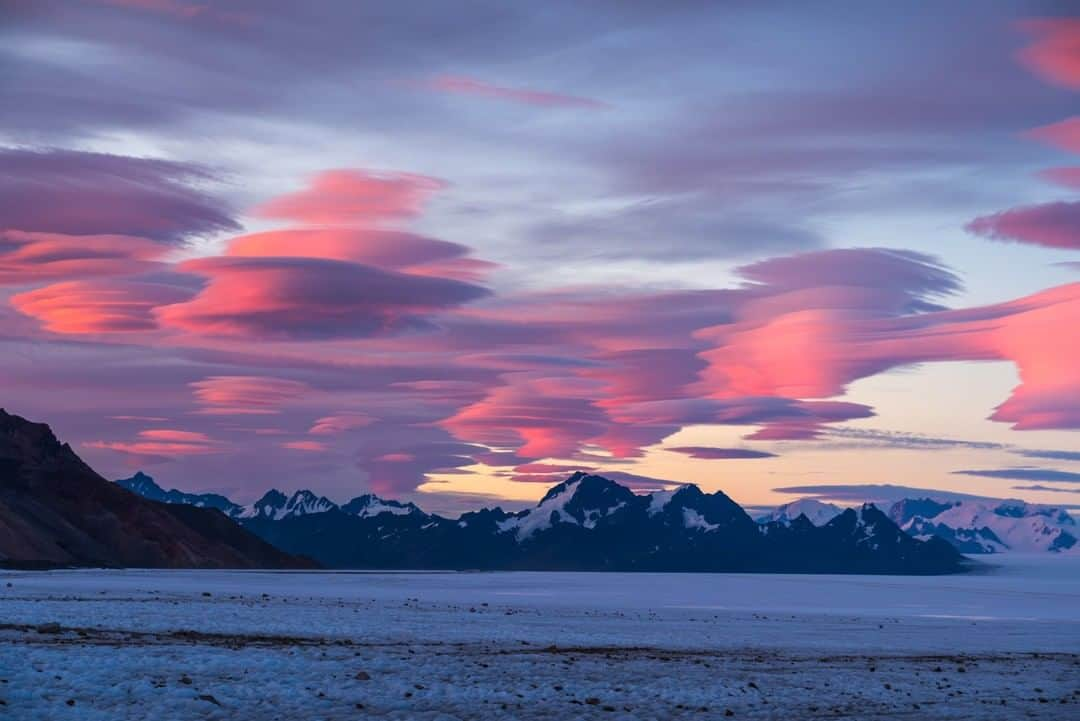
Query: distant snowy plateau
(972,525)
(111,644)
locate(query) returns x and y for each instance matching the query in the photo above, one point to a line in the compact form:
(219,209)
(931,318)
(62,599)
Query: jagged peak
(276,505)
(142,480)
(577,478)
(687,489)
(368,504)
(273,497)
(659,500)
(566,503)
(580,481)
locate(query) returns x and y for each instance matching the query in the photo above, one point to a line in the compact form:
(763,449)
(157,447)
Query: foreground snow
(188,644)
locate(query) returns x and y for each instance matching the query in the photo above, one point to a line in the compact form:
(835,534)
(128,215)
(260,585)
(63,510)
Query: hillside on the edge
(56,511)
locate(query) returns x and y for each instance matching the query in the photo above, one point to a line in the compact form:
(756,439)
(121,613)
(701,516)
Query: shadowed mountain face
(56,511)
(590,523)
(145,486)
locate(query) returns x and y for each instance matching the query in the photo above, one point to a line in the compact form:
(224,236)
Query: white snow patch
(658,500)
(1018,526)
(591,517)
(377,506)
(693,519)
(300,503)
(539,518)
(1021,526)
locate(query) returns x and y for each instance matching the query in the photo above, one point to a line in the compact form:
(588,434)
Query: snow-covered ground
(251,645)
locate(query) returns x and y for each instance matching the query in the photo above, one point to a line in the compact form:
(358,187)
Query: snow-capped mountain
(276,505)
(273,505)
(581,500)
(866,526)
(971,525)
(817,512)
(145,486)
(989,526)
(589,522)
(370,505)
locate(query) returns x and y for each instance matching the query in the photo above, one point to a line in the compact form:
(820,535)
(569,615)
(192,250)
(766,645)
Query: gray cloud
(1051,455)
(1046,475)
(899,439)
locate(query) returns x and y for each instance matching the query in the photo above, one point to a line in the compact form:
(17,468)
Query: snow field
(224,645)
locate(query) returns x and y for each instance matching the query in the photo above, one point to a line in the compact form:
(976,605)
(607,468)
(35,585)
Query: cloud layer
(318,244)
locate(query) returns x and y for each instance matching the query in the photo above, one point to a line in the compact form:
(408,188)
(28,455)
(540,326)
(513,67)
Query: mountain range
(587,522)
(971,525)
(56,511)
(990,525)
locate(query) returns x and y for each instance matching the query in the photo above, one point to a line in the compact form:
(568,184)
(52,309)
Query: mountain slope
(55,510)
(589,522)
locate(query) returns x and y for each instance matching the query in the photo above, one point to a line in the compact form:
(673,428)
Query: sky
(452,252)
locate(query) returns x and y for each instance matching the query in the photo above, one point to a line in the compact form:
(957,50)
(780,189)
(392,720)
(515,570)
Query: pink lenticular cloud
(401,461)
(378,247)
(1065,177)
(332,282)
(161,449)
(808,327)
(246,395)
(307,446)
(35,257)
(340,423)
(792,334)
(1030,336)
(170,434)
(354,197)
(84,306)
(838,347)
(390,249)
(1054,53)
(166,443)
(530,419)
(396,458)
(582,370)
(1064,134)
(463,85)
(1053,225)
(309,298)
